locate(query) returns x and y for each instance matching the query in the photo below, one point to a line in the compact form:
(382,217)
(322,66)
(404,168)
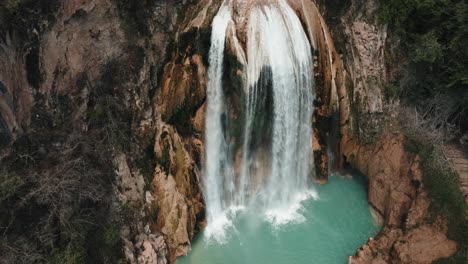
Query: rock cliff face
(141,69)
(100,66)
(397,193)
(329,86)
(179,107)
(350,105)
(372,142)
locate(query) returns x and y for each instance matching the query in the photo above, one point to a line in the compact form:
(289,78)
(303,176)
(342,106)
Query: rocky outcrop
(393,175)
(178,205)
(99,67)
(396,191)
(136,72)
(373,142)
(146,246)
(421,245)
(76,44)
(153,250)
(365,63)
(16,99)
(87,41)
(178,208)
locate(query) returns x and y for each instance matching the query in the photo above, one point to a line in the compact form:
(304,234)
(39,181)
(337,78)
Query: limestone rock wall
(178,105)
(372,141)
(363,41)
(150,62)
(101,59)
(397,193)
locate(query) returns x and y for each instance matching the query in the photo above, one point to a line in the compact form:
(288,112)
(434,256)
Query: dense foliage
(434,34)
(434,77)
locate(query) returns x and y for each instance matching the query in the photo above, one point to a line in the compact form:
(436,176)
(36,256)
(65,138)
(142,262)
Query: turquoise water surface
(333,226)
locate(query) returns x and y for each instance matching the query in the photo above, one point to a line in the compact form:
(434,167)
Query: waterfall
(218,172)
(279,85)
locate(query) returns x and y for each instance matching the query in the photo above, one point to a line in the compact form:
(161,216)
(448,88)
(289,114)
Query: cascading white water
(218,172)
(279,61)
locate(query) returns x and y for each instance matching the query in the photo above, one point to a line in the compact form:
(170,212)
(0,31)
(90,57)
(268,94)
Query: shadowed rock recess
(102,127)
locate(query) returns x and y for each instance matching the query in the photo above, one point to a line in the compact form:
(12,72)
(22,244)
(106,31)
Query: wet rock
(176,190)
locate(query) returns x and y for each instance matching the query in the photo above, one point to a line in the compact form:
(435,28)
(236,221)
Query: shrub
(440,180)
(390,91)
(447,199)
(10,184)
(433,35)
(68,255)
(427,49)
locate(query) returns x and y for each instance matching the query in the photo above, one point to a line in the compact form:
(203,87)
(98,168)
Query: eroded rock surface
(178,199)
(372,142)
(397,192)
(422,245)
(99,64)
(156,73)
(364,62)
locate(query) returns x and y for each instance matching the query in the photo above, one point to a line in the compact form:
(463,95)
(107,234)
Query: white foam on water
(221,228)
(291,214)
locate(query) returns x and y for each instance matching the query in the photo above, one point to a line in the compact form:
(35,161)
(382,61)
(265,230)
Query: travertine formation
(373,143)
(160,78)
(397,193)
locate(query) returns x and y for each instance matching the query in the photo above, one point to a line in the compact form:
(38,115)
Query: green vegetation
(164,160)
(103,245)
(390,91)
(107,243)
(443,186)
(434,35)
(180,116)
(69,255)
(9,185)
(56,186)
(334,11)
(12,6)
(434,79)
(55,200)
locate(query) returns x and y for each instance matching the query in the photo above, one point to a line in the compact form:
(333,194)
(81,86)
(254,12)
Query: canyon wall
(98,70)
(373,142)
(135,75)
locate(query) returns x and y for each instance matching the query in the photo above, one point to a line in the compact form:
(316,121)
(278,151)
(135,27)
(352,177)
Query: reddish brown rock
(178,199)
(16,100)
(397,192)
(423,245)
